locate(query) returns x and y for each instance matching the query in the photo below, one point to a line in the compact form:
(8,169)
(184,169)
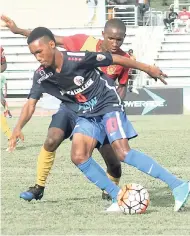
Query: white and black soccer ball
(133,199)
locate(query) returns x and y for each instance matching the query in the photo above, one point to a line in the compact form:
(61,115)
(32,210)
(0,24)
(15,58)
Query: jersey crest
(111,69)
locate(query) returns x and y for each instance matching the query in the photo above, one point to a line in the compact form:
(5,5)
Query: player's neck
(103,47)
(59,60)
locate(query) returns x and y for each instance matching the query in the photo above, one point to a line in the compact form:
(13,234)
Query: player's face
(44,51)
(113,39)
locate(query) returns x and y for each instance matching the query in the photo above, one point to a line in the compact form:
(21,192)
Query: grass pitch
(73,206)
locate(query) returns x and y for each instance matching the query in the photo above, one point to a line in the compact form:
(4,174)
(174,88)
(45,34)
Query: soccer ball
(133,199)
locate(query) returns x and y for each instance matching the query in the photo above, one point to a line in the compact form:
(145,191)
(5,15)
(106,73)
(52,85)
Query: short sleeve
(74,42)
(93,60)
(124,76)
(37,90)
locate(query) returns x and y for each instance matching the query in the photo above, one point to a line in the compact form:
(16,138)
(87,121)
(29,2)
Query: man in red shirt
(183,19)
(114,35)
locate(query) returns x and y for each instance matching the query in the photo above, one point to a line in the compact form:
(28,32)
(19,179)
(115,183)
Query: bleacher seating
(174,59)
(173,56)
(21,64)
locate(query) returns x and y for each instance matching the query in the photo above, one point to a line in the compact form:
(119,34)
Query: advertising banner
(154,101)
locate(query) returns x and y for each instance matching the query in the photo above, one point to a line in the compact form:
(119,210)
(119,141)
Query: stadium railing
(127,13)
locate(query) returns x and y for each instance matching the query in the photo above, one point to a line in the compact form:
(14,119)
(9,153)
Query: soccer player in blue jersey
(75,79)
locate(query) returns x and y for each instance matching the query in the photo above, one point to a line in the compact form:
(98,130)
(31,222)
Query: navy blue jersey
(80,85)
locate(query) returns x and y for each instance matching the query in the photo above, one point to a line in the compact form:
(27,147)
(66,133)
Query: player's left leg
(112,162)
(113,165)
(60,129)
(116,125)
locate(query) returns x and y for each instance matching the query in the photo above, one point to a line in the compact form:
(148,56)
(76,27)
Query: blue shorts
(91,127)
(117,126)
(64,119)
(114,125)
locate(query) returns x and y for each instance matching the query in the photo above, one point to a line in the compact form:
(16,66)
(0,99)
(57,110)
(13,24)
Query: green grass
(73,206)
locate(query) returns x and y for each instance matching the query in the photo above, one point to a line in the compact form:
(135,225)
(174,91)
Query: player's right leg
(85,136)
(60,128)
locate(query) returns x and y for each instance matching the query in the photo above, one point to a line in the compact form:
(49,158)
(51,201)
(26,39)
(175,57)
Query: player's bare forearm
(3,67)
(26,113)
(24,32)
(153,71)
(129,63)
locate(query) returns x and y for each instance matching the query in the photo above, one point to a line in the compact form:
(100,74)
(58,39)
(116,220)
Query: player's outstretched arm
(9,23)
(26,114)
(153,71)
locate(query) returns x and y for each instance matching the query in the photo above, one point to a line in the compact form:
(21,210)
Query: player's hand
(17,134)
(9,23)
(5,94)
(156,74)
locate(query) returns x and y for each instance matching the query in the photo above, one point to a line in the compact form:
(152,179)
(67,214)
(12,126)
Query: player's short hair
(115,23)
(40,32)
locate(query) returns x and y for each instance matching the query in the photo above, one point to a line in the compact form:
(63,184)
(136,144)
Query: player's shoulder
(122,53)
(42,74)
(38,71)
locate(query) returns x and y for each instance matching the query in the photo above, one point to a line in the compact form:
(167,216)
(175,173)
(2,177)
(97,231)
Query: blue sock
(147,165)
(98,176)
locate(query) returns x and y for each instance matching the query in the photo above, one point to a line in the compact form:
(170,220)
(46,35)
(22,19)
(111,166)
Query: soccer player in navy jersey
(75,79)
(114,34)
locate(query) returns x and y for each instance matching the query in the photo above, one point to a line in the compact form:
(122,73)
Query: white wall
(53,14)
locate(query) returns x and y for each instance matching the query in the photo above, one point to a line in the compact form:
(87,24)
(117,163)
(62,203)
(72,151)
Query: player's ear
(52,44)
(103,34)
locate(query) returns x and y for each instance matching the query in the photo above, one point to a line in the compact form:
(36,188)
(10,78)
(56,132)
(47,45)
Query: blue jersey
(80,84)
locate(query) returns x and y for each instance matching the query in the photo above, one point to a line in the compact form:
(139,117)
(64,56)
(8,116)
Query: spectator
(4,84)
(164,3)
(91,10)
(121,12)
(110,4)
(183,19)
(4,125)
(132,74)
(171,17)
(144,6)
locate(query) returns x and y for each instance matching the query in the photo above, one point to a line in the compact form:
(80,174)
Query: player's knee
(52,143)
(114,169)
(79,156)
(122,154)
